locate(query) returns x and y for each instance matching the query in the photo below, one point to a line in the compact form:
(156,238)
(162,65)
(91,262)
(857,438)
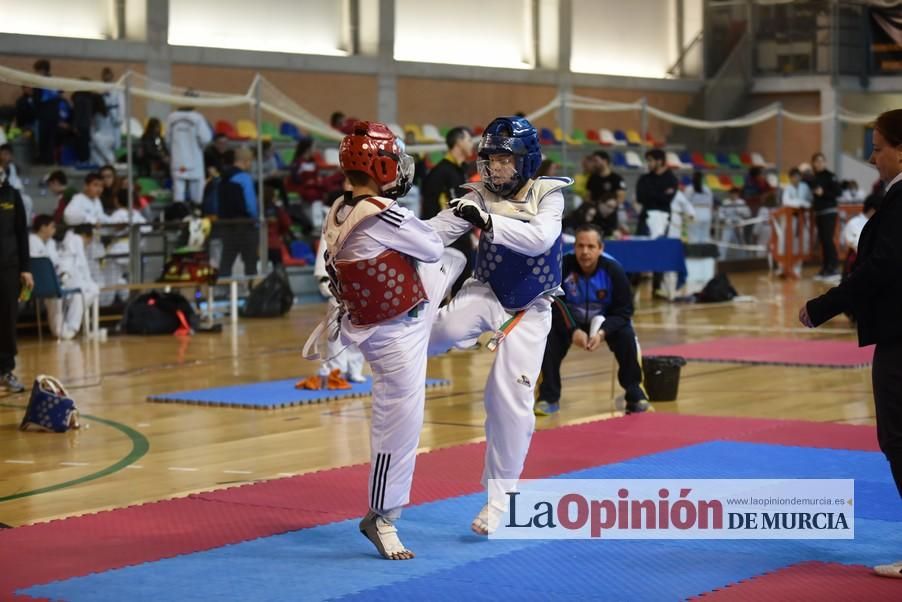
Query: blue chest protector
(517,279)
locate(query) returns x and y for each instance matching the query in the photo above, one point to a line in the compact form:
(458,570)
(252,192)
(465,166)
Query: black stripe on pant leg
(377,467)
(384,482)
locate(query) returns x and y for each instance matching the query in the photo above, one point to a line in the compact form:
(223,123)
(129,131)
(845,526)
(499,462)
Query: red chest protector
(373,289)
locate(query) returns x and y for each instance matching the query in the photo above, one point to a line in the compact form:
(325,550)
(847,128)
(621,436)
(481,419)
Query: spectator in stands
(112,186)
(337,121)
(702,201)
(189,133)
(871,293)
(278,224)
(547,168)
(26,110)
(76,271)
(46,103)
(654,192)
(13,179)
(796,195)
(304,175)
(15,274)
(86,206)
(581,179)
(851,192)
(104,133)
(825,189)
(756,189)
(238,202)
(732,212)
(607,190)
(118,231)
(444,183)
(58,185)
(83,107)
(114,101)
(152,154)
(851,232)
(597,307)
(41,244)
(214,153)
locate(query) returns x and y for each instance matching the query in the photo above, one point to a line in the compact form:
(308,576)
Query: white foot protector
(384,536)
(893,571)
(488,519)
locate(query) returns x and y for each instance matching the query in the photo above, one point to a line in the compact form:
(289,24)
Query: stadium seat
(546,136)
(773,180)
(633,138)
(226,129)
(673,160)
(758,160)
(246,129)
(579,137)
(726,181)
(592,135)
(735,161)
(746,159)
(290,131)
(559,134)
(654,142)
(723,160)
(698,161)
(431,133)
(136,130)
(620,137)
(713,182)
(287,156)
(686,158)
(784,179)
(147,185)
(619,160)
(738,181)
(711,160)
(417,132)
(331,157)
(633,160)
(685,180)
(606,137)
(269,130)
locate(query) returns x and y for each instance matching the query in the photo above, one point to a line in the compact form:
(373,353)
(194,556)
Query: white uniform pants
(194,187)
(347,359)
(509,392)
(396,352)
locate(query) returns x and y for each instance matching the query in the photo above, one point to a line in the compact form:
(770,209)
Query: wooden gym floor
(191,448)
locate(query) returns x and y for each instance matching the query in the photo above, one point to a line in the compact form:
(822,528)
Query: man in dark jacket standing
(15,273)
(597,306)
(826,191)
(872,293)
(238,211)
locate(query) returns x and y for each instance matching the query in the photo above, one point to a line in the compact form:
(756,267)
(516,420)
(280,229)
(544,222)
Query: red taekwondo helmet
(371,148)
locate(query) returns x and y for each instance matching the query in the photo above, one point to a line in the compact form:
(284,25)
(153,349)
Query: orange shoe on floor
(311,383)
(336,382)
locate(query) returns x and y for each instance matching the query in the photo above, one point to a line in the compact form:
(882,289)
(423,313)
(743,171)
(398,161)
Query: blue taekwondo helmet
(514,136)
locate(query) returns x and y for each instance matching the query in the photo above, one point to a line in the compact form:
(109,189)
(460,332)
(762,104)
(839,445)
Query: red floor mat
(106,540)
(812,582)
(785,352)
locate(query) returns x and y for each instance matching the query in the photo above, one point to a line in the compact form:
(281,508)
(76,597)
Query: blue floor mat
(335,562)
(270,394)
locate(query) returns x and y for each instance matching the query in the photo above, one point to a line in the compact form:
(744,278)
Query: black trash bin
(662,376)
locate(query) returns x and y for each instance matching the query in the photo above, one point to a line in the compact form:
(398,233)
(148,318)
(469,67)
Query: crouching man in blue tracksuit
(597,306)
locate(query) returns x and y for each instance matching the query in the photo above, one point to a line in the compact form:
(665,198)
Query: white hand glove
(470,210)
(324,288)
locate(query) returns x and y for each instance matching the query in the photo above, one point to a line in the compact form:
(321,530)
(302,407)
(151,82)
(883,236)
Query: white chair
(431,133)
(632,160)
(606,137)
(396,129)
(758,160)
(673,160)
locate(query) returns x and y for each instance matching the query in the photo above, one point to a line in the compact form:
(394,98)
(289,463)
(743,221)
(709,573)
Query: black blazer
(872,293)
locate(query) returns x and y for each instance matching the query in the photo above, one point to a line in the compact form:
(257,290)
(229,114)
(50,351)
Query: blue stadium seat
(620,137)
(290,130)
(620,160)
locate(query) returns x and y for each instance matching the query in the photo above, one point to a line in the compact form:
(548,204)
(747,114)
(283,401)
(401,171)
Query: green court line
(140,445)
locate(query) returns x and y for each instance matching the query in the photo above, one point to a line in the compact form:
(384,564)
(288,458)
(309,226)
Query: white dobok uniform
(188,134)
(84,210)
(518,269)
(348,359)
(396,347)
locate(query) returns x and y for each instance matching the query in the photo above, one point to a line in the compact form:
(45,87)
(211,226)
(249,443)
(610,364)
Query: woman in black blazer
(872,294)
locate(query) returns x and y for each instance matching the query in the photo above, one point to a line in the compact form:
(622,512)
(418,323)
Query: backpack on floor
(160,313)
(272,297)
(49,408)
(718,290)
(189,266)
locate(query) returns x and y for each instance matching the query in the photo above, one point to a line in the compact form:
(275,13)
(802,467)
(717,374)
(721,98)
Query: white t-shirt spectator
(84,210)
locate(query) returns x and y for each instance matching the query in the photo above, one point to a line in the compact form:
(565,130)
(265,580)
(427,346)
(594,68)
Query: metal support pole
(778,151)
(264,247)
(565,123)
(643,123)
(134,236)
